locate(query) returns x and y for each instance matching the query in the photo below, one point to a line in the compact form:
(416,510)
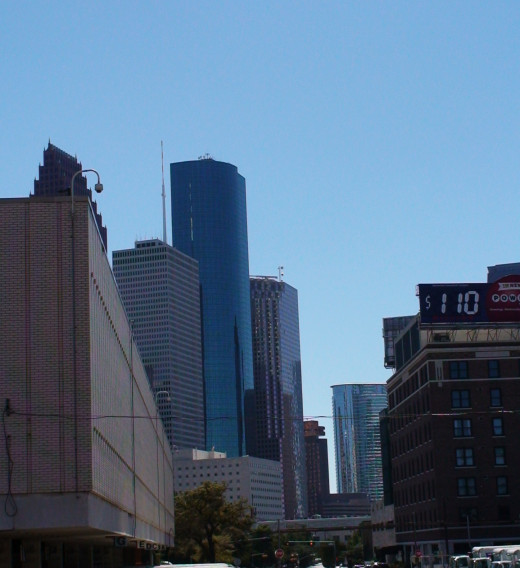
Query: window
(462,427)
(493,369)
(458,370)
(495,397)
(500,456)
(502,485)
(464,457)
(460,399)
(498,427)
(466,486)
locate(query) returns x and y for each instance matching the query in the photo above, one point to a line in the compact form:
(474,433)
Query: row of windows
(411,411)
(412,467)
(457,370)
(463,428)
(464,457)
(467,486)
(462,398)
(410,440)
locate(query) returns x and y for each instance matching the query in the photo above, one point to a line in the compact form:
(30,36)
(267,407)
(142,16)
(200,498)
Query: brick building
(453,410)
(86,463)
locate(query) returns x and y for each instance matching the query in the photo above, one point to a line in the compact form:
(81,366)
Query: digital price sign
(496,302)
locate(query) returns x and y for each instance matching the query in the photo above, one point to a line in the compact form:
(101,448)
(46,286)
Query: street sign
(278,553)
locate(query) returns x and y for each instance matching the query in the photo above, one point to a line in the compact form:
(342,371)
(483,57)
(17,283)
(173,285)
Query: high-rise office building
(160,290)
(209,223)
(55,176)
(317,461)
(357,437)
(278,386)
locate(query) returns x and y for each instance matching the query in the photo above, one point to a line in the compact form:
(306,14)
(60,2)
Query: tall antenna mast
(165,240)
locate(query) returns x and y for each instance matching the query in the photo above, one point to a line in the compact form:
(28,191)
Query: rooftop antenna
(163,196)
(280,273)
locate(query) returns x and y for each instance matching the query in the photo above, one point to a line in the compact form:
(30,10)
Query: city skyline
(375,138)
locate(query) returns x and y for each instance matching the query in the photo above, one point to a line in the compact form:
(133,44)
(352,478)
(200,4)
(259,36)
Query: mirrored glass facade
(278,386)
(357,438)
(209,223)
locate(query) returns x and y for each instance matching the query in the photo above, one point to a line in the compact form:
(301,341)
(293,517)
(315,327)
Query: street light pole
(99,189)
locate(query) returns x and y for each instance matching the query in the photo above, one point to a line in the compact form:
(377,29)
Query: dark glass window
(464,457)
(462,427)
(498,427)
(460,399)
(495,397)
(458,370)
(500,456)
(493,369)
(502,485)
(466,486)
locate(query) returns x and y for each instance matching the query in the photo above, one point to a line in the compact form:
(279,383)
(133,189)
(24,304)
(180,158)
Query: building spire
(165,240)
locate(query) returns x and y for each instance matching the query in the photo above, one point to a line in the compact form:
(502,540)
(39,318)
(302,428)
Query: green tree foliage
(207,526)
(354,550)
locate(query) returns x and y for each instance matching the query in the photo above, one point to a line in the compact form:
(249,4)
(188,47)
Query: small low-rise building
(256,480)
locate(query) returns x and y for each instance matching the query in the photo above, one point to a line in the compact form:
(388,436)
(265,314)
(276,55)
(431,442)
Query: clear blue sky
(379,140)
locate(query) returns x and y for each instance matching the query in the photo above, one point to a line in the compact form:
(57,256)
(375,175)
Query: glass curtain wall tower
(278,386)
(357,438)
(209,223)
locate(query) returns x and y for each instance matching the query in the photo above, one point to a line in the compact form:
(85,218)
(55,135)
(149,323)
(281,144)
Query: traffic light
(311,543)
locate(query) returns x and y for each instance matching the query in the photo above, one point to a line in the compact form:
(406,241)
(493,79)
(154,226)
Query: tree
(355,549)
(207,526)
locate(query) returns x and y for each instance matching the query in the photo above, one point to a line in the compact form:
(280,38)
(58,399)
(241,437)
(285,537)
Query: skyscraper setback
(278,386)
(160,289)
(54,178)
(356,409)
(209,223)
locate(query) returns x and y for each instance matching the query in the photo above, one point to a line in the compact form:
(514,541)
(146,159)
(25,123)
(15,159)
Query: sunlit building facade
(86,462)
(278,386)
(257,481)
(357,437)
(160,289)
(209,223)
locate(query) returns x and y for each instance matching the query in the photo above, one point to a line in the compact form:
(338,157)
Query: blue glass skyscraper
(209,223)
(357,438)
